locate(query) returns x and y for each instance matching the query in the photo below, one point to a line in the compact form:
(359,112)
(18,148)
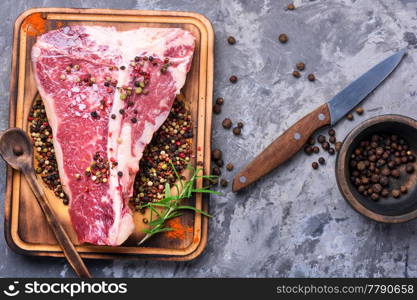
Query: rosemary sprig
(170,206)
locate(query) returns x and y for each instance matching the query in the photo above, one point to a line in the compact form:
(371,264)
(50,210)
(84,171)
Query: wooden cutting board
(26,229)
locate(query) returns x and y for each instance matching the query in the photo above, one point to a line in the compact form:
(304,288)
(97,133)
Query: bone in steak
(105,93)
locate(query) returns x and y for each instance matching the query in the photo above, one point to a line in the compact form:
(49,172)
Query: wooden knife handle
(283,148)
(61,236)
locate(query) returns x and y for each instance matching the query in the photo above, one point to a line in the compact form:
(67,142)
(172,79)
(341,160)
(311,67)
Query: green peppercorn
(138,90)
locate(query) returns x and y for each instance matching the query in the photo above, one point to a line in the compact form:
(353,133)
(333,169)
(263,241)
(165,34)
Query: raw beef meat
(106,92)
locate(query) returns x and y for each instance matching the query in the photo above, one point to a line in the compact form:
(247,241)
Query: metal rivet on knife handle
(242,179)
(322,117)
(297,136)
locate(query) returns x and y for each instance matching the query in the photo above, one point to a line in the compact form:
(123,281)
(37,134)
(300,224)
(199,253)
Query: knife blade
(294,138)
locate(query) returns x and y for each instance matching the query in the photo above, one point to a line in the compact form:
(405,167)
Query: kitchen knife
(294,138)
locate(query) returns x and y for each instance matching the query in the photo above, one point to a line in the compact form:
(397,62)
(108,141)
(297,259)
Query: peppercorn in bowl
(376,168)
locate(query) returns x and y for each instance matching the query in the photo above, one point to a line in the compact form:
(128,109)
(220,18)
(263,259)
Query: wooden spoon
(16,150)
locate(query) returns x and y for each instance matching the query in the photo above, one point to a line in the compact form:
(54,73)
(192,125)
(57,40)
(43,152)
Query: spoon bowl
(16,149)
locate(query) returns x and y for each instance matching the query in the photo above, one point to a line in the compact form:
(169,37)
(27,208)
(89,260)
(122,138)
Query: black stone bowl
(387,210)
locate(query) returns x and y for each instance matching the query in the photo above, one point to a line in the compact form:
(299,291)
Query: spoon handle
(62,237)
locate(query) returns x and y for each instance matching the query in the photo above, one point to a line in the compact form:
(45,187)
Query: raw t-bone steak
(106,92)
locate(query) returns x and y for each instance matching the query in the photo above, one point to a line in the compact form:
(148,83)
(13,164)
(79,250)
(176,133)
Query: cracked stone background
(294,222)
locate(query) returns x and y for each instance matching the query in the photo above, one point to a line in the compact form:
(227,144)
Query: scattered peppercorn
(308,150)
(217,109)
(322,161)
(224,183)
(300,66)
(231,40)
(315,165)
(227,123)
(219,101)
(216,171)
(219,163)
(283,38)
(233,79)
(349,117)
(296,74)
(321,139)
(216,154)
(229,167)
(337,146)
(359,110)
(332,139)
(236,131)
(316,149)
(332,132)
(311,77)
(331,151)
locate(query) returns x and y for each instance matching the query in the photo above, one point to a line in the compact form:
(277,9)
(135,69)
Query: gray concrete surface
(294,222)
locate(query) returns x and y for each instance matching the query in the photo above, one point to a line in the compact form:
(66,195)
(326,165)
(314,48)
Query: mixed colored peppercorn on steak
(105,93)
